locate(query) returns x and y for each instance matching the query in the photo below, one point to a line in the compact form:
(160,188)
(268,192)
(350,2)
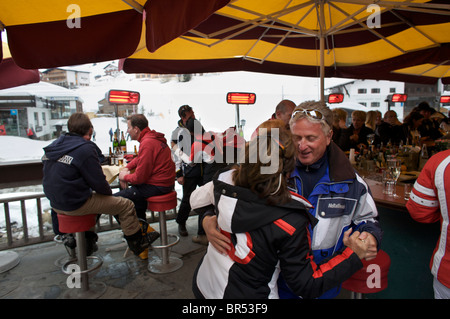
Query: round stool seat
(360,281)
(164,263)
(76,224)
(162,203)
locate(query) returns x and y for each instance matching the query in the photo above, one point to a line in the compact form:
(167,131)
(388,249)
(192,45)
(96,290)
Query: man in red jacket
(429,203)
(152,172)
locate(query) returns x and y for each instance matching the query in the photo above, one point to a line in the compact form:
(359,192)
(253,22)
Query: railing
(106,223)
(26,239)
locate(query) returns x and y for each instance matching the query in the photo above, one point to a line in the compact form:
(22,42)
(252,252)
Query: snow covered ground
(16,149)
(160,102)
(207,96)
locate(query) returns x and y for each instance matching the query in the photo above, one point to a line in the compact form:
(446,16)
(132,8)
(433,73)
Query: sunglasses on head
(314,114)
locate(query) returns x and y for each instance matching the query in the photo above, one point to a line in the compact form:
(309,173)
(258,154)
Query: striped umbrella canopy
(399,40)
(12,75)
(52,33)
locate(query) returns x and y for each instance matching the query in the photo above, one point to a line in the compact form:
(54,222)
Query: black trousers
(138,194)
(190,184)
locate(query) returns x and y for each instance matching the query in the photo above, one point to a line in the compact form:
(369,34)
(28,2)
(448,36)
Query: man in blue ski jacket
(324,176)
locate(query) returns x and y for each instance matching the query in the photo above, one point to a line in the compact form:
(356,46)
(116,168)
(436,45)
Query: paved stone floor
(38,274)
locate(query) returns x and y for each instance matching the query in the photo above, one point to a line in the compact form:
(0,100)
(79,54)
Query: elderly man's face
(310,140)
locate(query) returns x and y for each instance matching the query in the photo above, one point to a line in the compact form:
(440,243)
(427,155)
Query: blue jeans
(138,194)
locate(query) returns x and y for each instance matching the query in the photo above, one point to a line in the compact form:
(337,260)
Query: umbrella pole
(322,49)
(238,120)
(116,107)
(322,69)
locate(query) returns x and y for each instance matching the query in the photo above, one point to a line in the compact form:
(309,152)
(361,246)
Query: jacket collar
(340,168)
(144,132)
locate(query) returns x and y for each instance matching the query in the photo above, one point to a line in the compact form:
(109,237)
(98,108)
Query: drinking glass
(386,176)
(407,190)
(394,166)
(390,187)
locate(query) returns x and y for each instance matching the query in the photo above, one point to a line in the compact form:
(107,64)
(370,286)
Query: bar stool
(78,225)
(166,263)
(360,283)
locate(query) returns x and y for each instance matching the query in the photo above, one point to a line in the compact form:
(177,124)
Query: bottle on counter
(423,157)
(111,157)
(115,142)
(123,144)
(381,162)
(135,151)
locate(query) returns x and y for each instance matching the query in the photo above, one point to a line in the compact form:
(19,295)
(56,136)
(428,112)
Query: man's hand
(363,244)
(180,180)
(371,240)
(123,172)
(218,240)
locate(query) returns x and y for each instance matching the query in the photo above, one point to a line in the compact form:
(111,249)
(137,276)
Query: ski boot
(151,234)
(140,241)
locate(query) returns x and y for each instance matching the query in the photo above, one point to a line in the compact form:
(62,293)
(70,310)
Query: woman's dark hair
(249,174)
(411,117)
(79,123)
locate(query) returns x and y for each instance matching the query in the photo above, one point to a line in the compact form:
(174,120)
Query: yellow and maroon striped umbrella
(12,75)
(52,33)
(403,40)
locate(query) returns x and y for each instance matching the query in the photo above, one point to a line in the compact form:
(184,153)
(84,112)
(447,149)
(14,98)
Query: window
(392,90)
(362,91)
(44,120)
(375,90)
(36,118)
(375,104)
(363,103)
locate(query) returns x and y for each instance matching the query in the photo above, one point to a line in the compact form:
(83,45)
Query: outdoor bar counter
(408,243)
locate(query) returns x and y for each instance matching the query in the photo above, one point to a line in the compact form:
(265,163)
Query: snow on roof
(41,89)
(77,68)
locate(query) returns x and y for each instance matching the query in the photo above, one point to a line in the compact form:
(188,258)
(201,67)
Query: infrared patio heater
(122,97)
(395,98)
(238,98)
(335,98)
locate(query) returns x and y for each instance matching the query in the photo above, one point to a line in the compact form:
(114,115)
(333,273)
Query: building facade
(376,95)
(70,78)
(41,107)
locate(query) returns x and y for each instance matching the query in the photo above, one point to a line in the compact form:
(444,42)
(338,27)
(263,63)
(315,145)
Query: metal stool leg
(82,261)
(85,291)
(167,263)
(164,239)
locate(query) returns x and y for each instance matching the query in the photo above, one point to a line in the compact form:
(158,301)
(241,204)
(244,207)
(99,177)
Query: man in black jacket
(189,176)
(355,136)
(75,184)
(390,129)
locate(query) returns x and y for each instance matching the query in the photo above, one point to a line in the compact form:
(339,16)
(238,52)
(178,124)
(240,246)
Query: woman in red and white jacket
(269,230)
(429,203)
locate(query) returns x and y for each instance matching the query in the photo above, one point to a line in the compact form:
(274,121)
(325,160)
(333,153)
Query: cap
(183,109)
